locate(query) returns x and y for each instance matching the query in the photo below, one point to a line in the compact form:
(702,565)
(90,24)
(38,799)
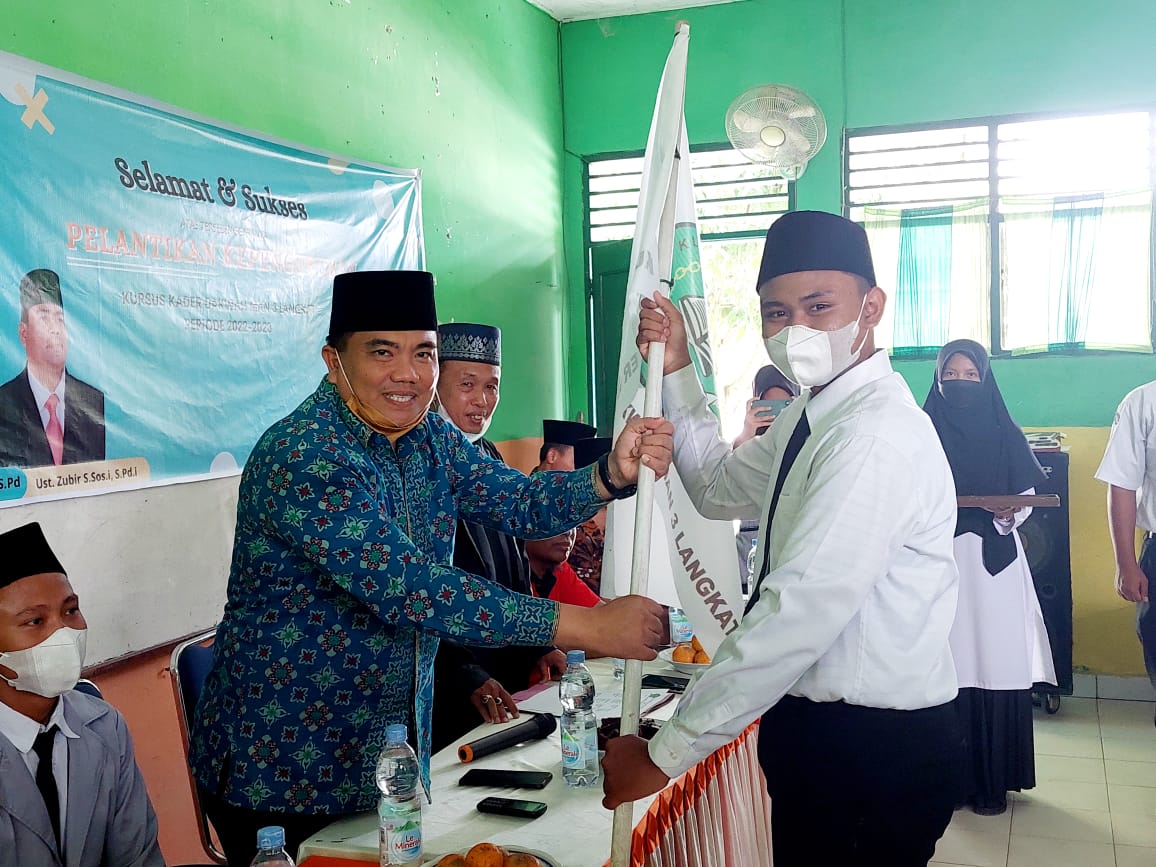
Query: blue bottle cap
(272,837)
(575,657)
(396,734)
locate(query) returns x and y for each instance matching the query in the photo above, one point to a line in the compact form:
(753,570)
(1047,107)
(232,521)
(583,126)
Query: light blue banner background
(201,322)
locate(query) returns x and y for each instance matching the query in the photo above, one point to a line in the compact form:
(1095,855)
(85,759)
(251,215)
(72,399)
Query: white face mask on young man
(811,357)
(51,667)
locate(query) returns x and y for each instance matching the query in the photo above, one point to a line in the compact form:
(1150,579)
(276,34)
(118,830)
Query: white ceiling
(579,10)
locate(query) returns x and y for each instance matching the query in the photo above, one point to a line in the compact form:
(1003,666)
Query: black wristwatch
(604,475)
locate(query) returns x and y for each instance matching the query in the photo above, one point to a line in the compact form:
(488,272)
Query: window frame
(588,244)
(995,294)
(707,147)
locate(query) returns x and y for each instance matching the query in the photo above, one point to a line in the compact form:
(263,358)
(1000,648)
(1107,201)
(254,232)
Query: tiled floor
(1094,804)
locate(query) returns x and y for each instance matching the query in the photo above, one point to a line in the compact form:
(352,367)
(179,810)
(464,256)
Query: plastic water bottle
(579,727)
(399,809)
(271,848)
(680,629)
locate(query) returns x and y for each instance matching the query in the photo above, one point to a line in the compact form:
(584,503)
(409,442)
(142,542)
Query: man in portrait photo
(47,415)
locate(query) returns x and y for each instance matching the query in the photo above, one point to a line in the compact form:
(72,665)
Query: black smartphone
(664,681)
(512,807)
(506,779)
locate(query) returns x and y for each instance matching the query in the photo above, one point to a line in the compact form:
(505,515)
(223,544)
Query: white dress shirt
(1130,459)
(22,731)
(41,394)
(860,596)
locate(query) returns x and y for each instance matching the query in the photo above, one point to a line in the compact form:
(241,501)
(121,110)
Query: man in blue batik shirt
(342,576)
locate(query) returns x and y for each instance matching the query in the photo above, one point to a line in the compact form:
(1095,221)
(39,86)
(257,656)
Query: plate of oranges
(688,657)
(491,855)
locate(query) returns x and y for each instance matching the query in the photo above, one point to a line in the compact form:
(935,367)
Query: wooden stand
(1010,501)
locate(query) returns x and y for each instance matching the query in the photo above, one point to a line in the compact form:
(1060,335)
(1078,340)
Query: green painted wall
(611,69)
(867,63)
(467,91)
(910,60)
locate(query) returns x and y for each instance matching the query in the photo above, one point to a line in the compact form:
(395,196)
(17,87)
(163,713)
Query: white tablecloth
(574,832)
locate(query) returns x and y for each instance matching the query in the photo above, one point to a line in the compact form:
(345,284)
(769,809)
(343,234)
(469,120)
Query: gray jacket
(110,820)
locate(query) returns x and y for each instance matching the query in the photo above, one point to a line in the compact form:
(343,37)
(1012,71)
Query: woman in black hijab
(998,640)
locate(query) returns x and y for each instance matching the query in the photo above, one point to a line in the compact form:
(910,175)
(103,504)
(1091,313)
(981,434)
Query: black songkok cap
(770,376)
(587,451)
(466,341)
(382,301)
(40,287)
(23,552)
(565,433)
(815,241)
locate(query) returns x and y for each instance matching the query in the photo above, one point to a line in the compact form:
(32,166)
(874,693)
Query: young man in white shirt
(1129,470)
(843,650)
(71,794)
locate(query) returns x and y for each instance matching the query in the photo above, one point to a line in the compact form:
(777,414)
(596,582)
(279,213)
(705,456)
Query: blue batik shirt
(341,582)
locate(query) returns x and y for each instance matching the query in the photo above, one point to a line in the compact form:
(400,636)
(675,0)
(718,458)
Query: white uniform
(1130,459)
(991,647)
(1130,463)
(860,594)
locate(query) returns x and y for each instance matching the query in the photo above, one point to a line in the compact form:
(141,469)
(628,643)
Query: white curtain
(969,292)
(1115,269)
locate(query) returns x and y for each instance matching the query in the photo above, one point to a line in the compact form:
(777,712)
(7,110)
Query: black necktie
(790,453)
(45,781)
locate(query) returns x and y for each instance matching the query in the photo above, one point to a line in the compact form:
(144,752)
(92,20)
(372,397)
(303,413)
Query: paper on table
(606,703)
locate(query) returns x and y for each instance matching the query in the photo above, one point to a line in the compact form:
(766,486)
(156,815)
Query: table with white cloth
(718,813)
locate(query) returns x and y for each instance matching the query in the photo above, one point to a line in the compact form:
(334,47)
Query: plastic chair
(189,666)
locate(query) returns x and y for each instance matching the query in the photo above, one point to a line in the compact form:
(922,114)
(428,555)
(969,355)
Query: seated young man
(70,790)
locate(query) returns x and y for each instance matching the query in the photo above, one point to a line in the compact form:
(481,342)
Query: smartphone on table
(512,807)
(500,779)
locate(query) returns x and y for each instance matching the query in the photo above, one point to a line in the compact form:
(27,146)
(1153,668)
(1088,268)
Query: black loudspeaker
(1048,545)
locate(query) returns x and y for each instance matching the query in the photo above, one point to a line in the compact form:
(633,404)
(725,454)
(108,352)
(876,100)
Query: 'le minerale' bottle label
(400,844)
(572,751)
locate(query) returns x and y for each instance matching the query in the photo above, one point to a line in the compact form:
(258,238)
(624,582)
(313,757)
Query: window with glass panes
(736,203)
(1025,234)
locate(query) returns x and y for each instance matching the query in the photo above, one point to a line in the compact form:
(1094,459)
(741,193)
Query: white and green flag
(693,561)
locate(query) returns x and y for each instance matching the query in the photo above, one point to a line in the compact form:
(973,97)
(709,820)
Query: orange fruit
(452,861)
(683,653)
(486,855)
(701,658)
(522,859)
(698,648)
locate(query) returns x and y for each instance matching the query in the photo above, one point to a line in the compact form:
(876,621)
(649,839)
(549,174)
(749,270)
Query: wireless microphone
(533,728)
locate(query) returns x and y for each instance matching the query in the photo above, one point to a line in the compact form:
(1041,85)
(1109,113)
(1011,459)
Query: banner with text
(165,282)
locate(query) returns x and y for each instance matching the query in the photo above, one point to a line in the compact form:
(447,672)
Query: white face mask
(50,668)
(811,357)
(472,437)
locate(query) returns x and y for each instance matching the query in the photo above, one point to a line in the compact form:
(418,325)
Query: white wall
(150,565)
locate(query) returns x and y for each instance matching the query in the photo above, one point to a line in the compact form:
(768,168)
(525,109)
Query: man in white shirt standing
(1129,469)
(843,650)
